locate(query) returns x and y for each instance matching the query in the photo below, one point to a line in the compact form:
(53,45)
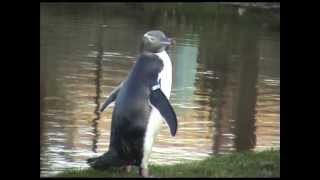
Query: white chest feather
(155,119)
(166,74)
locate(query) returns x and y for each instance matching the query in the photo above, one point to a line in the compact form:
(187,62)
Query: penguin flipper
(160,101)
(112,97)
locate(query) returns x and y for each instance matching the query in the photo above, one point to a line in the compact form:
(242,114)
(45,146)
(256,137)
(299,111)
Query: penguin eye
(152,39)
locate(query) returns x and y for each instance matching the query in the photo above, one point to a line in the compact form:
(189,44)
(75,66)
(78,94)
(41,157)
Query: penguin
(141,105)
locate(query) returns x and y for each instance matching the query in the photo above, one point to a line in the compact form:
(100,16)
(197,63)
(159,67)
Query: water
(226,78)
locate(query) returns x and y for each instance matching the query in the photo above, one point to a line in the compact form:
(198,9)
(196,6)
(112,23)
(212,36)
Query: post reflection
(98,74)
(245,138)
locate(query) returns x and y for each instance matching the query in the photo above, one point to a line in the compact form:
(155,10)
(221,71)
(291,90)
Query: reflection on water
(226,84)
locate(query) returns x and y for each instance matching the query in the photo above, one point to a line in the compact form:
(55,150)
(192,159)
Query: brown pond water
(226,78)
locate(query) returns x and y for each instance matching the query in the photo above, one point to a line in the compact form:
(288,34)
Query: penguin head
(155,41)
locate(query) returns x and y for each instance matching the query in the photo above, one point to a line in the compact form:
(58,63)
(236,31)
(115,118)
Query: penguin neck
(163,55)
(166,73)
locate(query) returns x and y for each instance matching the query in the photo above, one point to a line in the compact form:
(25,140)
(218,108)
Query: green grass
(247,164)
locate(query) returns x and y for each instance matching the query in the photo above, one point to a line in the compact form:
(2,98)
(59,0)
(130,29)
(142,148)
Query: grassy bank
(249,164)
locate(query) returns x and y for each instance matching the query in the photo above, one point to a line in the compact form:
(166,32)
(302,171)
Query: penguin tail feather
(90,160)
(104,161)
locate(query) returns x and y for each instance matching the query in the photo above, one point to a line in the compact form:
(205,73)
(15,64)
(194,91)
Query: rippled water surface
(226,79)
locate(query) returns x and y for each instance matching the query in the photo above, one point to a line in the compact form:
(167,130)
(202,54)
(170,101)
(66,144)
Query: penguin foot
(128,168)
(144,172)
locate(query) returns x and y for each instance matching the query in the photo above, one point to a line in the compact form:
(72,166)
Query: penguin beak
(168,41)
